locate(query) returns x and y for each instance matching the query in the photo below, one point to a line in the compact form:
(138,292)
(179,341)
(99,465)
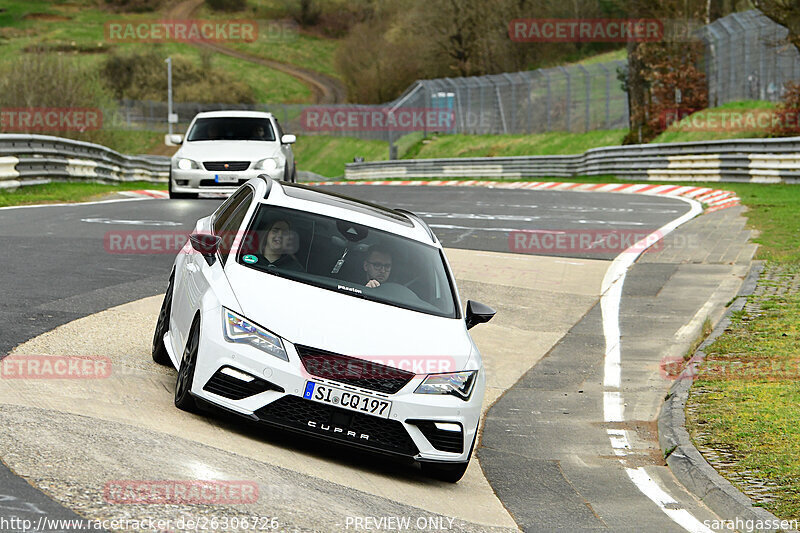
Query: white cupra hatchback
(336,318)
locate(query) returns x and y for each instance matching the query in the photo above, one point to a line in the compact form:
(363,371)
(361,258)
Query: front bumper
(276,398)
(201,180)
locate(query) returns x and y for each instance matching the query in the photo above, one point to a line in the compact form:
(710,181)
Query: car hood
(228,150)
(335,322)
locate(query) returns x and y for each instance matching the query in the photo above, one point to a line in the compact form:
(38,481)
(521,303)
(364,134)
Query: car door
(197,276)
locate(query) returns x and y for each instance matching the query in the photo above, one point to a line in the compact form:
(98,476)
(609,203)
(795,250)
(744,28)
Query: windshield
(349,258)
(232,129)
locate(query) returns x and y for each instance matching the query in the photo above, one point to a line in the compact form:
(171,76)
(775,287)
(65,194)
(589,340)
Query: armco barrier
(743,160)
(32,159)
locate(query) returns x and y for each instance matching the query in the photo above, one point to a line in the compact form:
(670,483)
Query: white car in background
(224,149)
(270,314)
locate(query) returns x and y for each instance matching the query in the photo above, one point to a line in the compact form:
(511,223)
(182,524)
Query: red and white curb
(713,199)
(148,193)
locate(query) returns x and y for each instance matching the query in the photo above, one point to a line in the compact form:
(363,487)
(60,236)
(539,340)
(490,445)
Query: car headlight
(458,384)
(267,164)
(186,164)
(240,330)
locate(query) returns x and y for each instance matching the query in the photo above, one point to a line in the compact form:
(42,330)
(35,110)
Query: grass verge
(65,192)
(744,407)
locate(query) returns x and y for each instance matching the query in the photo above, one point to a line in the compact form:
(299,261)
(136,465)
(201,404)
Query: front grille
(339,424)
(446,441)
(353,371)
(236,389)
(212,183)
(233,166)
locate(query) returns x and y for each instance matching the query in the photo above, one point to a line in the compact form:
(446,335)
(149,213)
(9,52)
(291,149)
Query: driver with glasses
(377,266)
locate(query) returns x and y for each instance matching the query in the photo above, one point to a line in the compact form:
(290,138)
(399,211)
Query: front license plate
(354,401)
(226,178)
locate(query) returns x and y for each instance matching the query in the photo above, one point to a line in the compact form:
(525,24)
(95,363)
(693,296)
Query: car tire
(183,385)
(450,472)
(179,195)
(160,354)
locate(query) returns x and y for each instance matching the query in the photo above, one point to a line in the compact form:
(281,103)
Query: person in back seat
(280,245)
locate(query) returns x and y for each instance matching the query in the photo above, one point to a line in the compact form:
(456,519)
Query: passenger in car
(281,243)
(377,266)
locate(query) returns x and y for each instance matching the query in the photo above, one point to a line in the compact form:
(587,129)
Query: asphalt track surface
(57,269)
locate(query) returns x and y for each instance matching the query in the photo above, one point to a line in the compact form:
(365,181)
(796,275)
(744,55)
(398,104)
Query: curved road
(551,471)
(326,90)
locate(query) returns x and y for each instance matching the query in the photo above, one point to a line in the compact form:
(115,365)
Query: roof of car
(234,113)
(403,222)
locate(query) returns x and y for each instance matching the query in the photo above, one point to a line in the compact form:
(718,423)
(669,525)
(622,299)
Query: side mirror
(478,313)
(173,140)
(288,139)
(206,245)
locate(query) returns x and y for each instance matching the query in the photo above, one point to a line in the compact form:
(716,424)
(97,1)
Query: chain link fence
(748,57)
(575,98)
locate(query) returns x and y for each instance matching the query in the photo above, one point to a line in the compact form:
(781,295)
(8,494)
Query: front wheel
(160,354)
(450,472)
(183,386)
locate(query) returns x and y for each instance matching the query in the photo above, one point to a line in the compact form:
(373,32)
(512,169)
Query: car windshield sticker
(250,259)
(349,289)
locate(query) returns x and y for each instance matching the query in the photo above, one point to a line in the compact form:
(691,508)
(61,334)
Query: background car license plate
(354,401)
(226,178)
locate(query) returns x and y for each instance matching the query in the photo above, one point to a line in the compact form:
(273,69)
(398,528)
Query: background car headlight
(457,383)
(240,330)
(267,164)
(186,164)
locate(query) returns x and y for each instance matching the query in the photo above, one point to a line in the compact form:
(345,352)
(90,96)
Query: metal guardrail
(34,159)
(746,160)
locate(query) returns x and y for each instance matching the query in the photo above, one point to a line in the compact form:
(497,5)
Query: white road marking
(506,230)
(74,204)
(665,502)
(613,401)
(131,222)
(613,408)
(479,216)
(619,441)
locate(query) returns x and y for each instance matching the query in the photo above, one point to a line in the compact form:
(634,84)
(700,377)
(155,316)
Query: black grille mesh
(446,441)
(236,389)
(353,371)
(295,412)
(233,166)
(212,183)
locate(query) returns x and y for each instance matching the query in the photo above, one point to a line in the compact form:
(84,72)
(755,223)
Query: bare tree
(785,13)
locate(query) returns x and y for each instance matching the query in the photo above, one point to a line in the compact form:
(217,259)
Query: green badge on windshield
(250,259)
